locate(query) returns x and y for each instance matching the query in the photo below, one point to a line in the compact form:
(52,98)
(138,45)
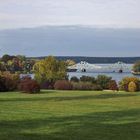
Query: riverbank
(135,73)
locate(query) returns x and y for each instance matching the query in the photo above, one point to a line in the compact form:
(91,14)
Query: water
(115,76)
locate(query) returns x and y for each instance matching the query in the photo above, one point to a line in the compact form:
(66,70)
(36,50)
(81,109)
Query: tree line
(51,73)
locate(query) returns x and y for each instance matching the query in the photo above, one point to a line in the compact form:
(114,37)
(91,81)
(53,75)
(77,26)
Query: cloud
(75,40)
(106,13)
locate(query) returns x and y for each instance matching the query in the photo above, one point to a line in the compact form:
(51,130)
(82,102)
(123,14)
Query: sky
(97,13)
(70,41)
(85,16)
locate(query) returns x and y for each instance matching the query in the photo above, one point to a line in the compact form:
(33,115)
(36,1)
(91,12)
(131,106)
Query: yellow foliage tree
(124,83)
(132,87)
(49,69)
(70,62)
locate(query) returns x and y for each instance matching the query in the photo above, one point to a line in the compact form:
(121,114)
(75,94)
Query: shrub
(112,85)
(96,87)
(47,85)
(8,81)
(132,87)
(63,85)
(85,86)
(76,86)
(74,79)
(103,81)
(138,85)
(87,79)
(123,84)
(28,85)
(2,84)
(82,86)
(12,81)
(136,66)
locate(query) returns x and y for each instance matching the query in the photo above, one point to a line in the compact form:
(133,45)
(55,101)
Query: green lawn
(70,115)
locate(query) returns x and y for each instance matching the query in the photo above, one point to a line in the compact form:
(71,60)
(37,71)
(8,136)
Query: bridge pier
(83,70)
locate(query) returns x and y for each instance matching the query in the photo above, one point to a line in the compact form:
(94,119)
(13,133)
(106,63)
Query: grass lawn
(70,115)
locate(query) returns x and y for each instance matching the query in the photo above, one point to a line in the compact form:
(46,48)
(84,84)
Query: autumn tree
(136,66)
(124,83)
(70,62)
(49,69)
(132,87)
(6,58)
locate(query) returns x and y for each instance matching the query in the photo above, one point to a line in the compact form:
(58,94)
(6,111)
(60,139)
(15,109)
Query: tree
(49,69)
(124,83)
(132,87)
(136,66)
(74,79)
(6,58)
(2,66)
(8,81)
(10,65)
(17,63)
(70,62)
(21,57)
(28,65)
(87,79)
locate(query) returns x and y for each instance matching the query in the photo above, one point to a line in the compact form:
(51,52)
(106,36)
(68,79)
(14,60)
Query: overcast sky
(99,13)
(88,13)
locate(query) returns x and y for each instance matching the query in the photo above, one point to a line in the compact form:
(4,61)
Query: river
(115,76)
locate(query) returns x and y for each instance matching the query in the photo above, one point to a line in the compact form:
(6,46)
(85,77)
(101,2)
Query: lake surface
(115,76)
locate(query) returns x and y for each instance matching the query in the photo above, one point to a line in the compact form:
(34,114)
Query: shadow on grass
(67,98)
(115,125)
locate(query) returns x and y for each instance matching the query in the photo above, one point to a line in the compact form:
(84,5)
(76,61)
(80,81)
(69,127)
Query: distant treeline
(103,60)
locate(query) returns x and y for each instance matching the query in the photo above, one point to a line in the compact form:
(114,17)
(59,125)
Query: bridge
(87,67)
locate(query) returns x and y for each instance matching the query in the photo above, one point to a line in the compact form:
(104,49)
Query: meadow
(70,115)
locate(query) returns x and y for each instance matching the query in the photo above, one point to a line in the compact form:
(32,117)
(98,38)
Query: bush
(103,81)
(123,84)
(74,79)
(12,81)
(136,66)
(85,86)
(47,85)
(112,85)
(63,85)
(8,81)
(96,87)
(82,86)
(2,84)
(28,85)
(87,79)
(132,87)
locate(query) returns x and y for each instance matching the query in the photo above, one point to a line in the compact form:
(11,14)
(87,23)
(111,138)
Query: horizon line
(72,25)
